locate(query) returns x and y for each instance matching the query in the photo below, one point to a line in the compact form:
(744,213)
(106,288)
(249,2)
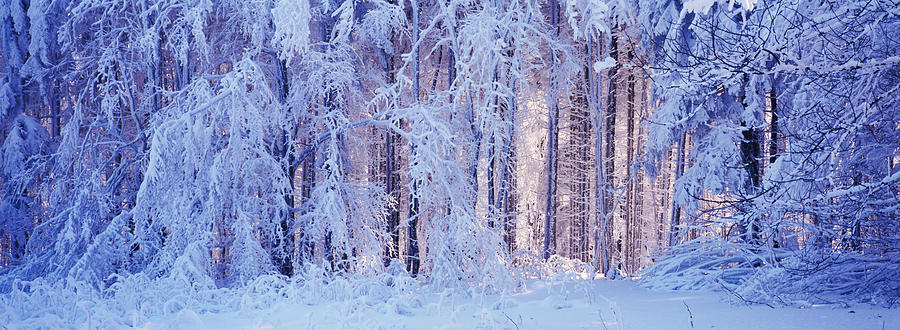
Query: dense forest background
(750,146)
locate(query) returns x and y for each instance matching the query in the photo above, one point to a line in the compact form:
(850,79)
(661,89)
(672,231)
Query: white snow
(571,304)
(607,63)
(703,6)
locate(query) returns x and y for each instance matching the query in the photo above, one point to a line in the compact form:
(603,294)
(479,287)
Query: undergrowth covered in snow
(186,294)
(135,300)
(777,276)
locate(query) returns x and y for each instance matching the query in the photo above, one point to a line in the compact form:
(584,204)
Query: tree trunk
(284,259)
(610,157)
(631,228)
(504,202)
(601,246)
(391,173)
(750,155)
(412,258)
(552,142)
(773,125)
(675,216)
(674,236)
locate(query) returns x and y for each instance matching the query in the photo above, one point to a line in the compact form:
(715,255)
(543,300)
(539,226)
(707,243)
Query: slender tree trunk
(492,151)
(773,125)
(492,155)
(54,82)
(552,142)
(160,72)
(584,167)
(674,235)
(645,234)
(751,156)
(413,253)
(750,152)
(307,181)
(437,72)
(675,215)
(55,111)
(776,239)
(504,202)
(610,157)
(491,183)
(284,262)
(631,223)
(185,68)
(451,79)
(601,244)
(391,173)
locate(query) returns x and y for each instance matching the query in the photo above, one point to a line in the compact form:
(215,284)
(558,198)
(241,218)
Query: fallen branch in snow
(690,315)
(510,319)
(603,322)
(738,295)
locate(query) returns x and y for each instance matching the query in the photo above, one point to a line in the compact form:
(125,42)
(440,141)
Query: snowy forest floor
(570,304)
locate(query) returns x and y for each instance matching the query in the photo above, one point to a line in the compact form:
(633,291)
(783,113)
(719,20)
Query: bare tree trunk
(159,74)
(503,202)
(579,156)
(492,155)
(584,167)
(601,246)
(773,124)
(552,143)
(631,227)
(54,81)
(611,96)
(491,183)
(674,236)
(645,234)
(776,239)
(391,173)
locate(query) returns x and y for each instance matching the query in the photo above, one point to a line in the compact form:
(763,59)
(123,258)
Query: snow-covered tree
(212,180)
(777,144)
(21,158)
(212,143)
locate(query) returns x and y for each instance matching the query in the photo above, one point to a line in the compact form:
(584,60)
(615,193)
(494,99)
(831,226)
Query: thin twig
(600,312)
(510,319)
(690,315)
(742,297)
